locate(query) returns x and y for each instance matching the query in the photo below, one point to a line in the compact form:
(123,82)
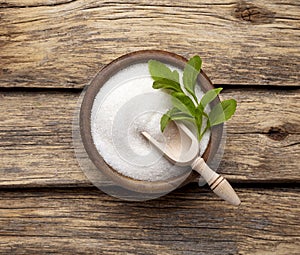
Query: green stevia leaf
(209,96)
(183,103)
(198,119)
(175,76)
(164,121)
(190,74)
(167,84)
(182,116)
(174,114)
(166,118)
(159,70)
(222,112)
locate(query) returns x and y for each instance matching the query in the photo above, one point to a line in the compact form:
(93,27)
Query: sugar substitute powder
(126,105)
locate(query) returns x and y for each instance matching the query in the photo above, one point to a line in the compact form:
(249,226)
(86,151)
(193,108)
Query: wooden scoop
(184,150)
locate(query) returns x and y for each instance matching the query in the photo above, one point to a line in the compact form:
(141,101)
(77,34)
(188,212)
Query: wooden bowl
(146,187)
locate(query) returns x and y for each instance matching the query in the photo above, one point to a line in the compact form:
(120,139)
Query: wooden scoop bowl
(183,150)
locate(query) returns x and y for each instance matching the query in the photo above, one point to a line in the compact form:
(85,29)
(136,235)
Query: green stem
(200,137)
(198,133)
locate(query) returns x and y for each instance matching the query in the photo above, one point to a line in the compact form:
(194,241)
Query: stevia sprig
(186,106)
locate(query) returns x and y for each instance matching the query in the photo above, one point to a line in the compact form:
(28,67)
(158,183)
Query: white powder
(126,105)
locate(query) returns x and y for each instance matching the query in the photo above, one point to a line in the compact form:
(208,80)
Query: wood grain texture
(263,142)
(76,221)
(46,43)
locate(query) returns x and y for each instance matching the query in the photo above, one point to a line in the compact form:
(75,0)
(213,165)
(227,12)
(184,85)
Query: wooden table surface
(50,50)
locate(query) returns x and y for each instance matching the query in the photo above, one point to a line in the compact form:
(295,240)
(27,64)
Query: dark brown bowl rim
(85,120)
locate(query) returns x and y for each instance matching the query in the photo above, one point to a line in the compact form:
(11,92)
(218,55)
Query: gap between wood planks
(193,187)
(225,87)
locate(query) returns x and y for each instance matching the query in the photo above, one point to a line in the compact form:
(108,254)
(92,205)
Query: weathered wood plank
(36,138)
(187,221)
(64,43)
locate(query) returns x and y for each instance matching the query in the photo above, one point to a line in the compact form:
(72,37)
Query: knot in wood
(254,14)
(277,133)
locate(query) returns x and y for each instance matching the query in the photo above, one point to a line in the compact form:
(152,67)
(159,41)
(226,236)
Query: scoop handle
(218,184)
